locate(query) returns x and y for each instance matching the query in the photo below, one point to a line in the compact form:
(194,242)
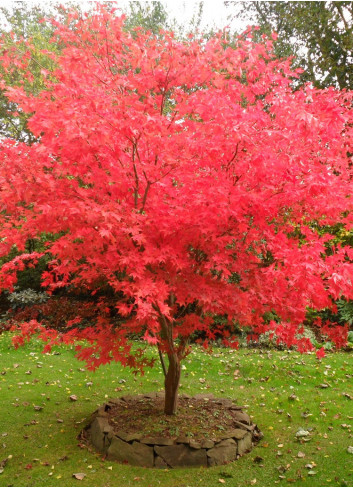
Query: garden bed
(206,431)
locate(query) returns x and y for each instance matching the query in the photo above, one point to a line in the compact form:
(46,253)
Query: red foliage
(168,168)
(320,353)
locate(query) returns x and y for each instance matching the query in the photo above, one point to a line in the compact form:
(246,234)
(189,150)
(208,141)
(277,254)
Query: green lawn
(281,390)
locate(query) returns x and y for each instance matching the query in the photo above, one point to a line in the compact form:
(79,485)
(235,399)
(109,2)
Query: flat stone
(237,434)
(227,403)
(136,454)
(207,444)
(182,456)
(234,407)
(183,439)
(157,440)
(243,426)
(243,418)
(116,401)
(194,444)
(159,463)
(128,398)
(245,444)
(97,432)
(226,443)
(102,413)
(222,454)
(107,429)
(217,439)
(134,437)
(123,435)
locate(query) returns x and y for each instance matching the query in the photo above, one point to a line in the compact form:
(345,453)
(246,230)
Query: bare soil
(195,418)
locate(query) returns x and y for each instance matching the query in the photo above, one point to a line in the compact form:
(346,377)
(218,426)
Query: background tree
(318,34)
(187,176)
(151,16)
(22,32)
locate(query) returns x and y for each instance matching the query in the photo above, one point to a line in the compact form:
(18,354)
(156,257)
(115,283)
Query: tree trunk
(171,384)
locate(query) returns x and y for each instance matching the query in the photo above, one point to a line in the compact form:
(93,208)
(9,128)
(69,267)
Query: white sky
(214,11)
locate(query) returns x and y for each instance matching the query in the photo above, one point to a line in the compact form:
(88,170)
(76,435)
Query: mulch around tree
(195,418)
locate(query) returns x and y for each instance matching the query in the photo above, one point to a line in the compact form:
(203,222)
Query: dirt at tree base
(195,418)
(205,431)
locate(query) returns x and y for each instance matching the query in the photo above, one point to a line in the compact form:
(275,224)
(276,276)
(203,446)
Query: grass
(280,389)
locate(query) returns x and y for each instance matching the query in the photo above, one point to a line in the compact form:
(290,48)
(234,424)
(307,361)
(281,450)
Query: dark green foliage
(345,311)
(20,24)
(150,16)
(318,33)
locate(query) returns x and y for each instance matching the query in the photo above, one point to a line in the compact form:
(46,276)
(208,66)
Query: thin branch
(233,157)
(145,196)
(340,11)
(136,186)
(162,361)
(172,119)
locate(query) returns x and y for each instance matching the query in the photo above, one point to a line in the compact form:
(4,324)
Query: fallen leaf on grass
(222,481)
(301,433)
(3,463)
(73,397)
(301,455)
(79,476)
(348,396)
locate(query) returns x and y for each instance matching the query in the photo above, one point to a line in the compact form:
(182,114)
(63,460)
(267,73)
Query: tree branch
(162,361)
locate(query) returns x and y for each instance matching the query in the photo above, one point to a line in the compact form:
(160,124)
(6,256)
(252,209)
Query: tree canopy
(318,34)
(189,177)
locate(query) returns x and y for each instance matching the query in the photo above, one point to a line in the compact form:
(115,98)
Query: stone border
(160,452)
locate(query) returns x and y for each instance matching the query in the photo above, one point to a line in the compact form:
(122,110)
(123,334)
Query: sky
(215,13)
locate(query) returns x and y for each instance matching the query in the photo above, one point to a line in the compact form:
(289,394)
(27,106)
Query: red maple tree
(189,176)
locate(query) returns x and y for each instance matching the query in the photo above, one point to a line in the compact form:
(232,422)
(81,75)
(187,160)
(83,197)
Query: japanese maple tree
(190,177)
